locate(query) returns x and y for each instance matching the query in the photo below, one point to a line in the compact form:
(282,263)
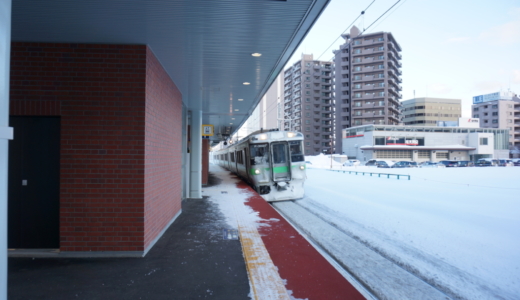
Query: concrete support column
(6,134)
(196,155)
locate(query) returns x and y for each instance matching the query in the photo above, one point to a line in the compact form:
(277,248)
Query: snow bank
(458,228)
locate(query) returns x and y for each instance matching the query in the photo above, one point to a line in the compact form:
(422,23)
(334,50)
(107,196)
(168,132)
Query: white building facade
(424,143)
(499,110)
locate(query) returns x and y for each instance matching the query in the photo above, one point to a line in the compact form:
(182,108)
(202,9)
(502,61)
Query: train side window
(296,151)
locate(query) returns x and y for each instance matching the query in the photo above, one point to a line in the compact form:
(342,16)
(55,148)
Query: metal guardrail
(372,173)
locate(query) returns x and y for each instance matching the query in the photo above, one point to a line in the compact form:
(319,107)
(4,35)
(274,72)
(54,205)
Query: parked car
(384,164)
(351,162)
(505,163)
(494,162)
(483,163)
(450,163)
(405,164)
(431,164)
(516,161)
(466,163)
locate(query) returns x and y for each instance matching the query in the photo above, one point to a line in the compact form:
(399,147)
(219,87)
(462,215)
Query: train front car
(277,165)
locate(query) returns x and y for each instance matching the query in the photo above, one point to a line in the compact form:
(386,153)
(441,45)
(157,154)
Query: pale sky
(451,49)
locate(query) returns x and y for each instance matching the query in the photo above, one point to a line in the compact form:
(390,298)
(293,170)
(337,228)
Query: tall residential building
(499,110)
(367,81)
(308,103)
(430,111)
(268,114)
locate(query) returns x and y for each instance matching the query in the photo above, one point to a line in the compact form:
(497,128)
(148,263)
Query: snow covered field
(457,228)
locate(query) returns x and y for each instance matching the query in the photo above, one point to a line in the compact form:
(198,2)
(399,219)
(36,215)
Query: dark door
(34,173)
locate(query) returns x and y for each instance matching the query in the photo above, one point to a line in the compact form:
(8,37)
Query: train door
(281,163)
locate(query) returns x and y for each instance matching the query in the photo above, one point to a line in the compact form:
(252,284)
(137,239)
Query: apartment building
(499,110)
(367,81)
(268,114)
(308,103)
(430,111)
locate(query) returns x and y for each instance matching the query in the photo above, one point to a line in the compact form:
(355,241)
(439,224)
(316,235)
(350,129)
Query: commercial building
(499,110)
(427,111)
(308,103)
(367,81)
(424,143)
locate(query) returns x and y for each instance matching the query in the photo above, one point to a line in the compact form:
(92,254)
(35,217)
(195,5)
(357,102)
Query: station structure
(108,110)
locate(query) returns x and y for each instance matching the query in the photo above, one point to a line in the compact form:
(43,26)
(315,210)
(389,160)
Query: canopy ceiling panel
(205,46)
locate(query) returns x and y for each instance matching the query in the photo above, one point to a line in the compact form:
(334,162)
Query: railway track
(379,277)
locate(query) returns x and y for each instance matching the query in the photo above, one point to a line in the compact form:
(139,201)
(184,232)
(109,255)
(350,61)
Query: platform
(229,245)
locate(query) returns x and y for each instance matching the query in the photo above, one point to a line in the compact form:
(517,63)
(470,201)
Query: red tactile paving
(308,274)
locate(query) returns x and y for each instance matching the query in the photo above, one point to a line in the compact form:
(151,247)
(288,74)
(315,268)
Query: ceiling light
(236,109)
(240,99)
(246,83)
(230,123)
(256,54)
(232,118)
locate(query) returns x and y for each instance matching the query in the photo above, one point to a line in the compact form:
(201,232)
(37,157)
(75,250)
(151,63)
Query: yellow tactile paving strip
(263,275)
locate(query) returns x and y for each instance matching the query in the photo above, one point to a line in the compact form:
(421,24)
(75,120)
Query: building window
(357,68)
(381,57)
(494,106)
(307,92)
(357,51)
(484,141)
(381,75)
(494,121)
(441,155)
(475,109)
(356,60)
(307,85)
(307,129)
(357,86)
(381,94)
(357,95)
(495,113)
(475,116)
(357,42)
(381,66)
(509,121)
(307,99)
(307,107)
(357,77)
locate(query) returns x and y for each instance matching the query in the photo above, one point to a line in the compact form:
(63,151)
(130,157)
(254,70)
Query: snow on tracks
(379,275)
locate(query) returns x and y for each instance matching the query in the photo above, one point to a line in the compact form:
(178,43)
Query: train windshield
(296,151)
(281,163)
(259,154)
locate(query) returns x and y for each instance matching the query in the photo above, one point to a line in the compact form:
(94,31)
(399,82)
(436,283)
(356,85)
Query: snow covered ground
(457,228)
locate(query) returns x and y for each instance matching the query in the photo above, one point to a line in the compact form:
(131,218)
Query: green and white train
(272,162)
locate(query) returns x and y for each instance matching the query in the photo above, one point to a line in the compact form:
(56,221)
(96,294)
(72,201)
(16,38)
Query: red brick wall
(163,154)
(205,161)
(101,94)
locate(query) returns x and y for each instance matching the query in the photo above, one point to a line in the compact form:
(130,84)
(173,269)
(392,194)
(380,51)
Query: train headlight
(257,171)
(302,167)
(290,134)
(262,137)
